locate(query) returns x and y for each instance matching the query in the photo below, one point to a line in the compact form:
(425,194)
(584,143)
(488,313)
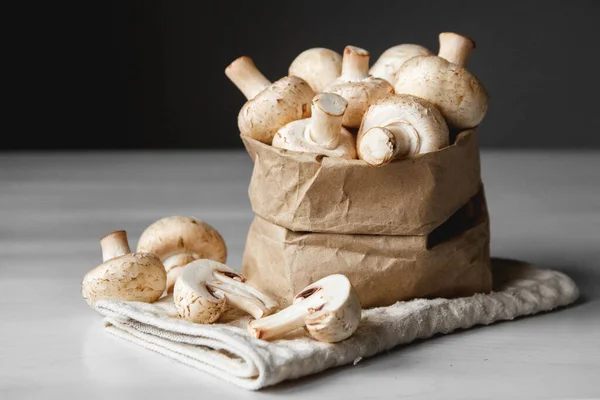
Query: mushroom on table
(205,287)
(357,86)
(400,126)
(124,275)
(179,240)
(443,81)
(329,309)
(270,105)
(322,133)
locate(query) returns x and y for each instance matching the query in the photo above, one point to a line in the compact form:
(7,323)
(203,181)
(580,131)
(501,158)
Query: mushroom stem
(242,295)
(286,320)
(114,245)
(455,48)
(326,120)
(355,64)
(380,145)
(244,74)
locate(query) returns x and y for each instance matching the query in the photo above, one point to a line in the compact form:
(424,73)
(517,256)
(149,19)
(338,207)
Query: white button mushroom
(400,126)
(356,86)
(392,59)
(269,106)
(178,241)
(123,275)
(206,286)
(317,66)
(322,133)
(443,81)
(329,309)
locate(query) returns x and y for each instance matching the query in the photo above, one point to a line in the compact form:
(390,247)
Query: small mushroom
(206,286)
(392,59)
(329,309)
(356,86)
(322,133)
(124,275)
(443,81)
(400,126)
(178,241)
(270,105)
(317,66)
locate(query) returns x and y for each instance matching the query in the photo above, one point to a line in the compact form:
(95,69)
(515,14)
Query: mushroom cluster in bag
(403,106)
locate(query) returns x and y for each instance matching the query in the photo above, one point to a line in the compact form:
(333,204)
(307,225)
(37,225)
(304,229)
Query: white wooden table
(545,208)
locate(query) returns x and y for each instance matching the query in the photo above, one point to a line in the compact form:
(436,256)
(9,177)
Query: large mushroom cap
(269,106)
(286,100)
(336,309)
(177,235)
(317,66)
(130,277)
(419,123)
(193,299)
(178,241)
(392,59)
(443,81)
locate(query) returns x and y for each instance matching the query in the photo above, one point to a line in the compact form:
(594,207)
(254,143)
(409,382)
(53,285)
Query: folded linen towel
(228,352)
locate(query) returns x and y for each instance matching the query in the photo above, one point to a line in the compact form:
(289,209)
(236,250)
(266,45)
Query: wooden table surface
(545,208)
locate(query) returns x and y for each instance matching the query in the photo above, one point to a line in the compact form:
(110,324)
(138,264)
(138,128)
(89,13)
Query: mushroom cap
(130,277)
(295,136)
(193,300)
(392,59)
(425,119)
(460,97)
(337,314)
(360,95)
(176,235)
(317,66)
(286,100)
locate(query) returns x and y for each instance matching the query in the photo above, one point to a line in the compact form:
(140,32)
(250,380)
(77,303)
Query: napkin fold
(225,349)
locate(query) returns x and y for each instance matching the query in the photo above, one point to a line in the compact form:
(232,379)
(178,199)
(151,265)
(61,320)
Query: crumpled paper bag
(309,192)
(451,261)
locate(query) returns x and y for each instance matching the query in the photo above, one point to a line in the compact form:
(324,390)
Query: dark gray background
(150,74)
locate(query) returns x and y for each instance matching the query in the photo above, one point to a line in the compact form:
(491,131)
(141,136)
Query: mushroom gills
(241,295)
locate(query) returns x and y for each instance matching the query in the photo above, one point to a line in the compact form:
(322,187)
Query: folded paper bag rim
(228,352)
(307,192)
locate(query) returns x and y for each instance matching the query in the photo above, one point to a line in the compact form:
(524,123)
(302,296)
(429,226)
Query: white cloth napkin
(226,351)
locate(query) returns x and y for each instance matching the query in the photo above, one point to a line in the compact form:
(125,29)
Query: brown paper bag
(452,260)
(307,192)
